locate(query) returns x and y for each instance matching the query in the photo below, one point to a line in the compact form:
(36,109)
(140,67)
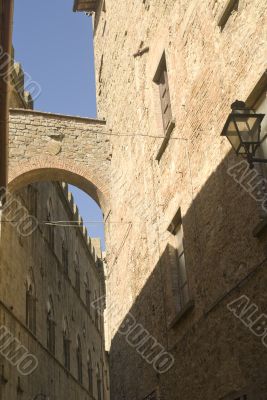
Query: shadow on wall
(214,353)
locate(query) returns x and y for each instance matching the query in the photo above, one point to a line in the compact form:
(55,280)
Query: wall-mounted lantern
(243,130)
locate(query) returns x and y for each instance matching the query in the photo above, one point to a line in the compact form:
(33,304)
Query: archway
(51,169)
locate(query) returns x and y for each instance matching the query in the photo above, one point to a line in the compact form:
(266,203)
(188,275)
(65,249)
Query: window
(161,79)
(31,308)
(96,313)
(231,6)
(87,294)
(66,345)
(65,258)
(51,327)
(50,227)
(99,384)
(90,374)
(79,360)
(77,275)
(181,269)
(107,379)
(179,280)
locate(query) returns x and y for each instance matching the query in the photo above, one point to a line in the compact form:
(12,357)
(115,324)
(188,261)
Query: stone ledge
(47,114)
(166,140)
(181,314)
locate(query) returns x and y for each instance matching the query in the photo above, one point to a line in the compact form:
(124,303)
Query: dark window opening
(31,310)
(51,329)
(231,6)
(79,360)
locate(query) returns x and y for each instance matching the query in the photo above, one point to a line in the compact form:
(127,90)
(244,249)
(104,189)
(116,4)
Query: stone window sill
(181,314)
(165,142)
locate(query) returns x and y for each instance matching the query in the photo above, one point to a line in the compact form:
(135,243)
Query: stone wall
(19,96)
(54,147)
(208,68)
(35,260)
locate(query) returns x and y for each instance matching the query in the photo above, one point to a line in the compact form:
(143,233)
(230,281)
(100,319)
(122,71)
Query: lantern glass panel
(235,141)
(248,129)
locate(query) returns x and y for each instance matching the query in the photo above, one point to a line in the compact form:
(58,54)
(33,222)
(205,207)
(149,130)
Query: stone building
(185,235)
(50,278)
(19,96)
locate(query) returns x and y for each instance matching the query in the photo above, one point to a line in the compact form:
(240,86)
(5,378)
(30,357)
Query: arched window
(90,374)
(77,275)
(51,232)
(99,384)
(96,312)
(66,344)
(31,304)
(87,293)
(79,360)
(65,258)
(51,326)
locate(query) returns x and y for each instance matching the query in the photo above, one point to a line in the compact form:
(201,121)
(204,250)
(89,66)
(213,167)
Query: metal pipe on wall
(6,23)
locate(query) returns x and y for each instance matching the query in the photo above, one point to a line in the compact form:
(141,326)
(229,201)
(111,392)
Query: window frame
(31,309)
(90,372)
(164,92)
(51,328)
(180,305)
(79,360)
(230,7)
(66,345)
(166,129)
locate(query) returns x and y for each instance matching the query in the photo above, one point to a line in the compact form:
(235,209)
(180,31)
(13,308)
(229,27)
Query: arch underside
(26,173)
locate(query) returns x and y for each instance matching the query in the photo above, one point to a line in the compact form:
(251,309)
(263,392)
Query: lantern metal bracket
(250,155)
(243,130)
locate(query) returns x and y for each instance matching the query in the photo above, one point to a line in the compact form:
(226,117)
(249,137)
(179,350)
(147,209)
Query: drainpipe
(6,22)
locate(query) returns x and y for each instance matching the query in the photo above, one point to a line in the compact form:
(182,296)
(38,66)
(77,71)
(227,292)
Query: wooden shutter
(165,97)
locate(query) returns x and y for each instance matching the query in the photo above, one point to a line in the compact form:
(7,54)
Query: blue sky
(55,47)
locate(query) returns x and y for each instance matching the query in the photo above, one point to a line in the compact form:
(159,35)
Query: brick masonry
(208,69)
(215,355)
(53,147)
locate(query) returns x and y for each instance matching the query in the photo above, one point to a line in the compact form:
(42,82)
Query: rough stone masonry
(156,186)
(212,59)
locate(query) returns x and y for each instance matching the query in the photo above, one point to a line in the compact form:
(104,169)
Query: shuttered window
(182,282)
(230,7)
(181,299)
(161,79)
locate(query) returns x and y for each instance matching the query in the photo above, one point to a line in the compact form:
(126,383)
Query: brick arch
(51,168)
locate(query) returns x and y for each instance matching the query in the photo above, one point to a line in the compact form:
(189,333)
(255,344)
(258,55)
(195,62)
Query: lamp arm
(264,138)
